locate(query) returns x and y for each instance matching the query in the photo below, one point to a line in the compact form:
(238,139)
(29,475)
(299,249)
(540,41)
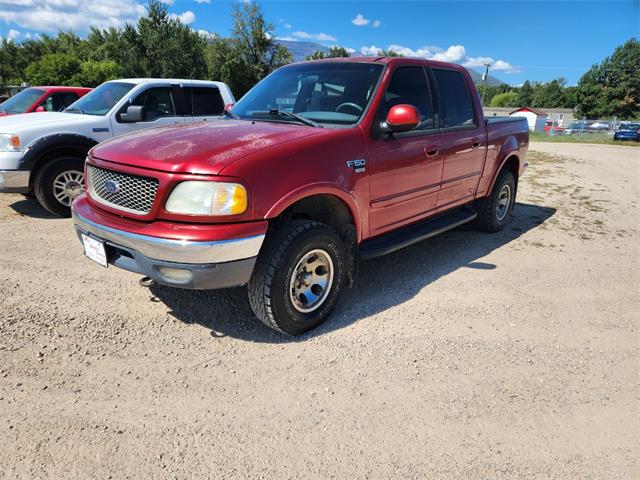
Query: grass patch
(599,138)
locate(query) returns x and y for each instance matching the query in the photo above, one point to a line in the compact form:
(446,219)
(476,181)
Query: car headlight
(207,198)
(9,142)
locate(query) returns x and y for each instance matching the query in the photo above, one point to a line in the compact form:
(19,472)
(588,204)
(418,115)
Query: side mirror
(134,113)
(41,109)
(403,118)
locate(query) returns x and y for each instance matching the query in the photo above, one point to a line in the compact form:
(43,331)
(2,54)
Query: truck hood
(199,147)
(63,122)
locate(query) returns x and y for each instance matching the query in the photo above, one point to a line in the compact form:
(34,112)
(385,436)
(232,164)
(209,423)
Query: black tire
(490,218)
(269,287)
(43,183)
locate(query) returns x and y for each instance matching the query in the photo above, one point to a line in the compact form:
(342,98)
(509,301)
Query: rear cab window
(457,105)
(203,101)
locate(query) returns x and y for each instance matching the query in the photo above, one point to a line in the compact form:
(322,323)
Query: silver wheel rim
(504,199)
(311,281)
(67,186)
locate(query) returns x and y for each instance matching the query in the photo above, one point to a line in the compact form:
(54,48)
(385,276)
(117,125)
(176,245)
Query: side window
(157,103)
(456,99)
(409,85)
(204,101)
(58,101)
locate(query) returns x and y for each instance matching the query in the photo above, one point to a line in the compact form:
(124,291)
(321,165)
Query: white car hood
(59,122)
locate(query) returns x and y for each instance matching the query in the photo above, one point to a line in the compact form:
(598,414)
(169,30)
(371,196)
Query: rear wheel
(58,183)
(298,277)
(494,211)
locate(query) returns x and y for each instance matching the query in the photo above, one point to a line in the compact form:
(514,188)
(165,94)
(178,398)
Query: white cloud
(360,21)
(187,17)
(13,34)
(453,54)
(168,2)
(497,65)
(77,15)
(288,26)
(370,51)
(203,1)
(321,37)
(207,34)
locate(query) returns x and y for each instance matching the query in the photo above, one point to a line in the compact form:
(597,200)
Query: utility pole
(485,78)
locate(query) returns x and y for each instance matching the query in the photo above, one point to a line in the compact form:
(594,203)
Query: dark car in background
(628,131)
(42,99)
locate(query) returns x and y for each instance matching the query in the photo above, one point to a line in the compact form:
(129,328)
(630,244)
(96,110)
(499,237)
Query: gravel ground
(513,355)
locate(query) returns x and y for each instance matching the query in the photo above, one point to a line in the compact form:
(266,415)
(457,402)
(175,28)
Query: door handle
(475,143)
(431,151)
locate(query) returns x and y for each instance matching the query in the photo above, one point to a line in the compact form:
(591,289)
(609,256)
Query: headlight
(9,143)
(207,198)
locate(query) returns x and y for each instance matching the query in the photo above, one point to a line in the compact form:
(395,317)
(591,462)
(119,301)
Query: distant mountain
(300,50)
(477,78)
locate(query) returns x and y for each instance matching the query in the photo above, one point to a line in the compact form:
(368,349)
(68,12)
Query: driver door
(160,110)
(405,168)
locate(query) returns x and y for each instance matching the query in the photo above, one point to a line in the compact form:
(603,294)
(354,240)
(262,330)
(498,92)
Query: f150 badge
(357,165)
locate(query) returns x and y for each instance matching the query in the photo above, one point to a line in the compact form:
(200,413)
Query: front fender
(320,188)
(40,147)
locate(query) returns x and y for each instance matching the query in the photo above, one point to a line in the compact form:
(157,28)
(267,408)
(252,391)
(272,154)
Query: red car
(42,99)
(321,164)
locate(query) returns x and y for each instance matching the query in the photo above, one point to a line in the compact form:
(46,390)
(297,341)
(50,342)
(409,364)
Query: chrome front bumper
(181,264)
(174,250)
(14,181)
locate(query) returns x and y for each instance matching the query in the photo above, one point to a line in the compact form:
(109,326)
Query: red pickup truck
(321,164)
(42,99)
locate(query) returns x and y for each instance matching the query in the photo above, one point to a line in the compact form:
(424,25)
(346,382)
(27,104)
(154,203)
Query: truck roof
(388,60)
(139,81)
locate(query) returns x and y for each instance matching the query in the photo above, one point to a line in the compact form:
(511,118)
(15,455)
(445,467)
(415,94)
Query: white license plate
(94,249)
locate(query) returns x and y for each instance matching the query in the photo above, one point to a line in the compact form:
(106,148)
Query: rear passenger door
(202,102)
(160,110)
(465,139)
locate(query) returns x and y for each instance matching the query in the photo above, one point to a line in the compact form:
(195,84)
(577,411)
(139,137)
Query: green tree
(250,54)
(507,99)
(525,95)
(53,69)
(613,86)
(334,52)
(390,53)
(94,73)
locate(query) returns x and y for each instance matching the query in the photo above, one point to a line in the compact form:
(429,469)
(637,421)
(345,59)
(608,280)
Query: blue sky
(534,40)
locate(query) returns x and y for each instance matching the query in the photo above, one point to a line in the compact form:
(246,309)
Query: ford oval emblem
(111,186)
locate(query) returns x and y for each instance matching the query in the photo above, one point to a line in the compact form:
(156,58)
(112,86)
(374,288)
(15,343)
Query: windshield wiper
(73,109)
(275,113)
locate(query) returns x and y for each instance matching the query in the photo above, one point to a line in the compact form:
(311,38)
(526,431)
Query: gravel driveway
(470,355)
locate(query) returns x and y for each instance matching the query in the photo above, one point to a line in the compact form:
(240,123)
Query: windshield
(20,102)
(100,100)
(630,126)
(327,93)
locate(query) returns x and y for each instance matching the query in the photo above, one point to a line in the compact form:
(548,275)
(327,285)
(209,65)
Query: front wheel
(299,276)
(494,211)
(58,183)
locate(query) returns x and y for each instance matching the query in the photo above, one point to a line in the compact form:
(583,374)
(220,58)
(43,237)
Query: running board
(397,239)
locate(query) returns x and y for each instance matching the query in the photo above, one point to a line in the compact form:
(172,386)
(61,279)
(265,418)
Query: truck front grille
(130,193)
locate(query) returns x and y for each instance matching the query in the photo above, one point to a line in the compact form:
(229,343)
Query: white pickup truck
(44,154)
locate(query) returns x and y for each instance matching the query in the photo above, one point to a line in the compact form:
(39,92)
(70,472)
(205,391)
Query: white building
(536,118)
